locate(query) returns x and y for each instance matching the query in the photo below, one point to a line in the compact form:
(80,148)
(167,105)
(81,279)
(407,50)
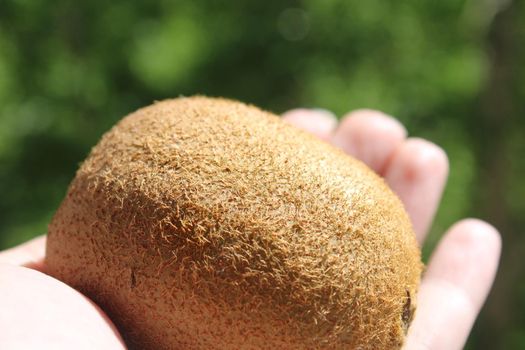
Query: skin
(454,287)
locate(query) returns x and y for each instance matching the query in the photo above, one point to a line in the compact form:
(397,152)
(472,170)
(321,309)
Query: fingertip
(319,122)
(468,257)
(326,114)
(472,232)
(476,225)
(420,157)
(379,120)
(294,114)
(455,286)
(29,254)
(370,136)
(417,173)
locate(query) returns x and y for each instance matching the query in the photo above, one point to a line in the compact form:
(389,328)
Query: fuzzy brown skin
(200,223)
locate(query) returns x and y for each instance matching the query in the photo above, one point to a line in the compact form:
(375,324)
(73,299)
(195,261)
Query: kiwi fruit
(204,223)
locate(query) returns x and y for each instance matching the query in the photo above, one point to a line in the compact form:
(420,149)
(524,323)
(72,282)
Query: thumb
(29,254)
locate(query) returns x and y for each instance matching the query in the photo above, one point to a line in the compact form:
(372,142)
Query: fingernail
(325,112)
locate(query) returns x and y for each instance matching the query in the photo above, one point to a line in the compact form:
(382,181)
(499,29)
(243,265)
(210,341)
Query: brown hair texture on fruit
(204,223)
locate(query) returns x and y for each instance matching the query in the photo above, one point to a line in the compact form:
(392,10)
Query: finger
(417,173)
(455,286)
(30,254)
(370,136)
(40,312)
(319,122)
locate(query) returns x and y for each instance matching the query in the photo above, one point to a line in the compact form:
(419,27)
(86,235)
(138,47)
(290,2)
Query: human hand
(41,312)
(463,266)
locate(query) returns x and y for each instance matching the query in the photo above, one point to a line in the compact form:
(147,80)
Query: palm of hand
(39,311)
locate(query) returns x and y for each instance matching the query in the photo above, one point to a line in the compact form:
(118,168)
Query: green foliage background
(452,71)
